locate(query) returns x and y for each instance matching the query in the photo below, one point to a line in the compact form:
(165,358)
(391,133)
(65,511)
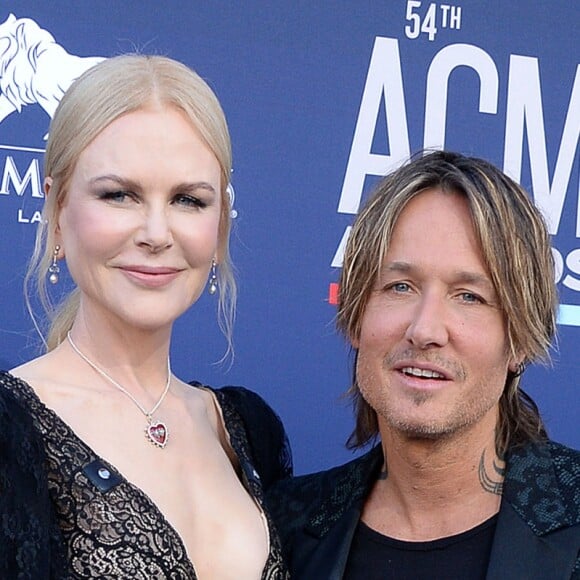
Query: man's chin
(425,431)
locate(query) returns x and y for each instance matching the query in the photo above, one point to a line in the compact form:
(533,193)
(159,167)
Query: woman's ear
(47,186)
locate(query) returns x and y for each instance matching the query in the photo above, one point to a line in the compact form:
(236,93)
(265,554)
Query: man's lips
(422,373)
(422,370)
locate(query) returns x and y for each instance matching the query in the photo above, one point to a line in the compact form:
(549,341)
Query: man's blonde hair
(516,248)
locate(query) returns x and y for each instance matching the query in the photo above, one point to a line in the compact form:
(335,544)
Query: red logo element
(333,293)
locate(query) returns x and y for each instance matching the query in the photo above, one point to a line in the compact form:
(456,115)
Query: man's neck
(431,489)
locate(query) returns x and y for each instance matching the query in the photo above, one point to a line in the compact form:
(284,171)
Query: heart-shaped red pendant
(157,433)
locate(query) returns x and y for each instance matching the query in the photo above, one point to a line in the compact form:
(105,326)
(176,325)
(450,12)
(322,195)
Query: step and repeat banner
(321,98)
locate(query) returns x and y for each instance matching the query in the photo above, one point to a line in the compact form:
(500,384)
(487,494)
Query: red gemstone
(157,433)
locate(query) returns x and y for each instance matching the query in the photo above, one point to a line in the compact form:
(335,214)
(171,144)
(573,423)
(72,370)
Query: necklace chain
(109,378)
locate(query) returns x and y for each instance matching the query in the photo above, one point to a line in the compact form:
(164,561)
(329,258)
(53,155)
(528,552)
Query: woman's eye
(115,196)
(190,201)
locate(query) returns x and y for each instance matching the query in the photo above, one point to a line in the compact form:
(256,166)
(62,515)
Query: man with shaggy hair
(447,293)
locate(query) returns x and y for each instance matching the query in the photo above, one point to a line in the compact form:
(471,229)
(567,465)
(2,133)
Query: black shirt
(463,556)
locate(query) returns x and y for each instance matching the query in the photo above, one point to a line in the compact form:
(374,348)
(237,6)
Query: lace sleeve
(31,546)
(268,442)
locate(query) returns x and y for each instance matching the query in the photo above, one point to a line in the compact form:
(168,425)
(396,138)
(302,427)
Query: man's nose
(428,325)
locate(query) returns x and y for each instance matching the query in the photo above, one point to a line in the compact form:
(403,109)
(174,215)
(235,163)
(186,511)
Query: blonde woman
(149,477)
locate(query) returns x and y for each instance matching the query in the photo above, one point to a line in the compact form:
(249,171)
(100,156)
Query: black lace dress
(112,529)
(31,547)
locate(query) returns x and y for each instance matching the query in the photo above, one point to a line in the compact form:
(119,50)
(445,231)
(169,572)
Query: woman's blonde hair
(105,92)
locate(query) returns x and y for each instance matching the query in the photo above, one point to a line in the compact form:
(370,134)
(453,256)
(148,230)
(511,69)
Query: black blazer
(537,534)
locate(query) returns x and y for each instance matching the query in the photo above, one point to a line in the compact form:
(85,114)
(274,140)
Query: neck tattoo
(155,431)
(491,483)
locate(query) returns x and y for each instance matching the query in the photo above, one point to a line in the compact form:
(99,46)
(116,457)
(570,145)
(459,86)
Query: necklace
(155,431)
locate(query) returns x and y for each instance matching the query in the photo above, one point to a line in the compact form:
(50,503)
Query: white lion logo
(34,68)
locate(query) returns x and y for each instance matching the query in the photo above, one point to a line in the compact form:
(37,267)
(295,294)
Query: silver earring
(53,269)
(213,281)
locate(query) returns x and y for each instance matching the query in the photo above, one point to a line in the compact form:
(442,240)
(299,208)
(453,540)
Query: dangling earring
(53,269)
(213,281)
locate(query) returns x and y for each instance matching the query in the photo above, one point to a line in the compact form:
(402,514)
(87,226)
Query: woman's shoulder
(20,443)
(235,394)
(252,408)
(29,535)
(13,412)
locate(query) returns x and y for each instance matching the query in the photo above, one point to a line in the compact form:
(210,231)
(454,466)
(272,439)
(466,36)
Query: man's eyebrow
(474,278)
(402,267)
(458,277)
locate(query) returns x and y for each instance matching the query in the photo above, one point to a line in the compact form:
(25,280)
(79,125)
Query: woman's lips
(152,277)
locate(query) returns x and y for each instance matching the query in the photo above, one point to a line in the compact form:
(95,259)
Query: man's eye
(400,287)
(470,297)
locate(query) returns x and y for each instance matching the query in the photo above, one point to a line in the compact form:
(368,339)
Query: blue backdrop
(320,97)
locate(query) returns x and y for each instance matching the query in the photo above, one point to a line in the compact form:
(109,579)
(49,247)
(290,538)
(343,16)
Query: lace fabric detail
(30,541)
(120,533)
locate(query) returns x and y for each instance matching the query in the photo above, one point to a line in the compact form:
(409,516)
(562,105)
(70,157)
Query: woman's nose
(155,231)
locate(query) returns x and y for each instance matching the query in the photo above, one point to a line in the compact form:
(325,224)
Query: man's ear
(517,365)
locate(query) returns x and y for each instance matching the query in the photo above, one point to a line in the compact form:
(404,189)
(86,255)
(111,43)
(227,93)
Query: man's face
(432,357)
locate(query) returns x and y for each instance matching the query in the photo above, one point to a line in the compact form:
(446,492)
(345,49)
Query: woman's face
(139,225)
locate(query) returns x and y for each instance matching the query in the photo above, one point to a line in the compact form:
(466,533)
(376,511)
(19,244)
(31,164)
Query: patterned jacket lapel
(539,520)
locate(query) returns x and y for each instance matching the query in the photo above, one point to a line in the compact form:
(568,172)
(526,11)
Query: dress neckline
(30,393)
(232,424)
